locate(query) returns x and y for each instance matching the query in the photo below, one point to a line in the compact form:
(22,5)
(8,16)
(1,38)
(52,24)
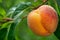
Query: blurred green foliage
(18,28)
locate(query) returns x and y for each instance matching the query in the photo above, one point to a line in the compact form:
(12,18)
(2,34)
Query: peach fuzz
(43,21)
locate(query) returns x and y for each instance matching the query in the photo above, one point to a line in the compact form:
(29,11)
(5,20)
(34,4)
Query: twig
(40,4)
(24,17)
(4,20)
(8,19)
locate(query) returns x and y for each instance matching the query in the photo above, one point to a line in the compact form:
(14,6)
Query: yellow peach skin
(43,21)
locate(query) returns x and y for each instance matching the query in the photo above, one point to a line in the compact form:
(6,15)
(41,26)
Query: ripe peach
(43,21)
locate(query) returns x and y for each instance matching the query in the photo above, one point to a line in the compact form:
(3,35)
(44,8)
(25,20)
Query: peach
(43,21)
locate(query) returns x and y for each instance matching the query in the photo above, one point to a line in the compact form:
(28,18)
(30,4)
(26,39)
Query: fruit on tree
(43,21)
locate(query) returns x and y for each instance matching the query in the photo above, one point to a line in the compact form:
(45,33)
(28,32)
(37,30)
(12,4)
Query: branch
(4,20)
(41,4)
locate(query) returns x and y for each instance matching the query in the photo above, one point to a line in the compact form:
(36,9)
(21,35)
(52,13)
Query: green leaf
(16,14)
(57,32)
(7,4)
(3,33)
(0,1)
(2,12)
(58,1)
